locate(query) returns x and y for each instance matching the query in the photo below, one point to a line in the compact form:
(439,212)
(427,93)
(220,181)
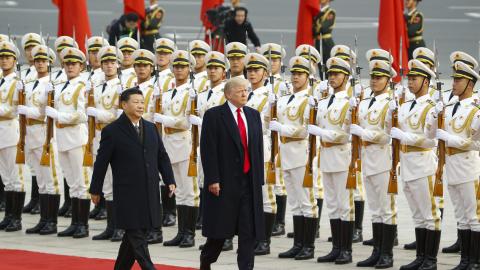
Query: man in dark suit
(134,149)
(231,148)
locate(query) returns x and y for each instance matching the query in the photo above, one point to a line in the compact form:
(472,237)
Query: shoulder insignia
(431,102)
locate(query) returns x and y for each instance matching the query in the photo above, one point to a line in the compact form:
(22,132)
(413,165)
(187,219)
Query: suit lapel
(127,127)
(232,127)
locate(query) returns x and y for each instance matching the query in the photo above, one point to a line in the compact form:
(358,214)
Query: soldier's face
(378,83)
(236,64)
(134,106)
(73,69)
(127,58)
(459,85)
(416,83)
(299,80)
(109,67)
(7,62)
(181,72)
(143,71)
(92,58)
(276,65)
(28,53)
(41,65)
(215,74)
(163,59)
(255,75)
(336,79)
(200,60)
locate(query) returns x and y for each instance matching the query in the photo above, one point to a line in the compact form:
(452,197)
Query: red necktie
(243,138)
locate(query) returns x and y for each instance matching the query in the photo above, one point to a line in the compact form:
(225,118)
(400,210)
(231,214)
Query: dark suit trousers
(134,247)
(246,232)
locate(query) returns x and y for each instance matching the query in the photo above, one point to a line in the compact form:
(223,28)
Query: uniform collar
(301,93)
(113,81)
(423,98)
(183,86)
(341,94)
(129,70)
(10,76)
(219,87)
(164,72)
(200,74)
(466,101)
(260,90)
(381,96)
(43,79)
(75,80)
(145,83)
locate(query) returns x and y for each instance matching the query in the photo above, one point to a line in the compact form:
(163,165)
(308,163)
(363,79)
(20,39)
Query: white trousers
(77,176)
(381,204)
(49,178)
(187,191)
(301,199)
(280,189)
(13,175)
(268,193)
(338,199)
(467,208)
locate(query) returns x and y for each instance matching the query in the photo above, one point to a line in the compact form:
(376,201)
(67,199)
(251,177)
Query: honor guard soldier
(311,54)
(414,20)
(40,142)
(374,130)
(70,120)
(293,113)
(333,123)
(154,15)
(164,48)
(127,46)
(259,99)
(144,65)
(418,165)
(12,173)
(95,75)
(4,38)
(177,139)
(323,25)
(426,56)
(236,52)
(198,48)
(461,136)
(105,97)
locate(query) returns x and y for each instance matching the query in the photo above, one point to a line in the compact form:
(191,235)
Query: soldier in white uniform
(236,52)
(177,139)
(2,186)
(127,46)
(70,118)
(143,64)
(293,115)
(95,75)
(462,166)
(198,48)
(333,124)
(374,130)
(418,164)
(50,177)
(106,97)
(12,174)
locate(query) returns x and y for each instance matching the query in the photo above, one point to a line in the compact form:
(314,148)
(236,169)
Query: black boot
(43,215)
(169,206)
(368,242)
(97,208)
(2,195)
(335,228)
(8,210)
(320,206)
(454,248)
(181,211)
(410,246)
(198,223)
(34,198)
(386,252)
(357,233)
(16,222)
(191,214)
(309,232)
(345,255)
(155,236)
(67,203)
(263,247)
(431,250)
(70,230)
(279,226)
(52,210)
(102,213)
(377,231)
(83,212)
(420,238)
(474,251)
(228,244)
(108,232)
(298,228)
(465,250)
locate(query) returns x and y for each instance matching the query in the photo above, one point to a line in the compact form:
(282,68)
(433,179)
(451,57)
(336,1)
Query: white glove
(315,130)
(49,87)
(439,108)
(397,133)
(51,112)
(404,137)
(323,86)
(19,86)
(192,93)
(195,120)
(353,102)
(392,105)
(275,126)
(23,110)
(358,89)
(311,101)
(91,111)
(399,89)
(271,98)
(443,135)
(356,130)
(88,87)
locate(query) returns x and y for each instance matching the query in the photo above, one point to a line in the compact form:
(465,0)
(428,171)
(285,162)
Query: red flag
(206,5)
(135,6)
(73,18)
(307,10)
(392,28)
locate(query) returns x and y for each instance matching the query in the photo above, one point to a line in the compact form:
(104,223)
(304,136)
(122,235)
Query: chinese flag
(135,6)
(307,10)
(73,18)
(391,29)
(206,5)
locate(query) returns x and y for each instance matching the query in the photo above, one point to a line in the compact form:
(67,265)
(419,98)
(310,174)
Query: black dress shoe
(155,236)
(36,209)
(105,235)
(117,235)
(368,242)
(227,245)
(169,220)
(262,248)
(410,246)
(454,248)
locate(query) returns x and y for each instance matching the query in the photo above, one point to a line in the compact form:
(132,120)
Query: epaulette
(431,102)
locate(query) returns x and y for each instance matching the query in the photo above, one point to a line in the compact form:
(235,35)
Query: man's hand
(171,188)
(95,198)
(214,189)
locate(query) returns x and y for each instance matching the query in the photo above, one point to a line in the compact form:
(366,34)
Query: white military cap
(306,50)
(216,59)
(463,70)
(199,47)
(32,39)
(418,68)
(236,49)
(381,68)
(299,64)
(43,52)
(64,42)
(463,57)
(142,56)
(276,50)
(256,60)
(95,43)
(72,55)
(379,54)
(127,44)
(343,52)
(425,55)
(8,49)
(338,65)
(164,45)
(181,58)
(110,53)
(4,38)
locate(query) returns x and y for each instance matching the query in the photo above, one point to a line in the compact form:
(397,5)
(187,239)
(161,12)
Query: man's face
(459,85)
(127,58)
(200,61)
(336,79)
(134,106)
(240,16)
(181,72)
(41,65)
(28,53)
(143,71)
(131,24)
(215,74)
(236,64)
(163,58)
(109,67)
(415,83)
(7,62)
(299,80)
(276,65)
(255,75)
(92,58)
(378,83)
(73,69)
(237,96)
(409,4)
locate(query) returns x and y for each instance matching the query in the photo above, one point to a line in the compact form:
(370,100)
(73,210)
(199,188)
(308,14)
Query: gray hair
(235,83)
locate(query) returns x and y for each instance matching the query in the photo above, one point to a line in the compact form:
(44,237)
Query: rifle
(88,155)
(45,159)
(438,186)
(20,157)
(393,181)
(402,75)
(312,139)
(355,161)
(271,176)
(158,101)
(192,163)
